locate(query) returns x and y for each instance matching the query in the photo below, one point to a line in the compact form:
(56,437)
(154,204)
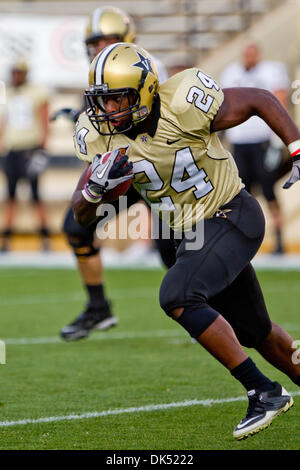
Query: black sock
(44,232)
(7,233)
(250,376)
(279,244)
(6,236)
(96,295)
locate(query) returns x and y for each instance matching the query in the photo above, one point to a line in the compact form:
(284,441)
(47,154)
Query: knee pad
(81,239)
(82,248)
(196,319)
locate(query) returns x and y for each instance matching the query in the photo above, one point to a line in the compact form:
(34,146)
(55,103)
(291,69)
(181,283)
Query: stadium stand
(173,30)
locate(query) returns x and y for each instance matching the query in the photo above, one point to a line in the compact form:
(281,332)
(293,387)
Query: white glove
(108,171)
(295,173)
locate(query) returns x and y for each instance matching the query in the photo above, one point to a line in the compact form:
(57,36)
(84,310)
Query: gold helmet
(121,70)
(109,22)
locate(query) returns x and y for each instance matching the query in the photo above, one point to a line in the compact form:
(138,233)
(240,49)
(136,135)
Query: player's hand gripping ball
(110,175)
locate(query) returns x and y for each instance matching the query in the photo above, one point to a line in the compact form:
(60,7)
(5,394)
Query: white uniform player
(256,149)
(271,76)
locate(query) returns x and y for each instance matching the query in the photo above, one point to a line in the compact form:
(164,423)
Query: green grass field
(92,394)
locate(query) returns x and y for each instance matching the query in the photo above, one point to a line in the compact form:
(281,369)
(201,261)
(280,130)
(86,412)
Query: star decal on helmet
(144,64)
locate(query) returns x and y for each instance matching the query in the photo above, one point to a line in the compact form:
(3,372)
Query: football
(122,188)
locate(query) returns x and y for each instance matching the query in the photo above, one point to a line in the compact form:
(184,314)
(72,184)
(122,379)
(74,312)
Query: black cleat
(263,408)
(91,319)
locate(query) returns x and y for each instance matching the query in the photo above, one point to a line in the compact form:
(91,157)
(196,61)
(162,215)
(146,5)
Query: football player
(106,25)
(24,135)
(177,159)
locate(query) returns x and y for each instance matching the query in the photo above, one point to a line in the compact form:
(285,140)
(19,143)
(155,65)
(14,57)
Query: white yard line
(121,411)
(175,334)
(97,336)
(75,296)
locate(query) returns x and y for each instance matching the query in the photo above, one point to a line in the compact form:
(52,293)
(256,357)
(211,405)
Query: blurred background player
(106,25)
(256,149)
(24,133)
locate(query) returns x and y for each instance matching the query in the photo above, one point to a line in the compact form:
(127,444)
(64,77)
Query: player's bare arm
(84,212)
(241,103)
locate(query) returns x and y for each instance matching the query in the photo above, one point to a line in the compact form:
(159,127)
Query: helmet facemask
(96,100)
(92,47)
(123,83)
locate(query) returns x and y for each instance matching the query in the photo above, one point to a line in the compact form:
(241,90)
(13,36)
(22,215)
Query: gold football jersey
(183,166)
(22,125)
